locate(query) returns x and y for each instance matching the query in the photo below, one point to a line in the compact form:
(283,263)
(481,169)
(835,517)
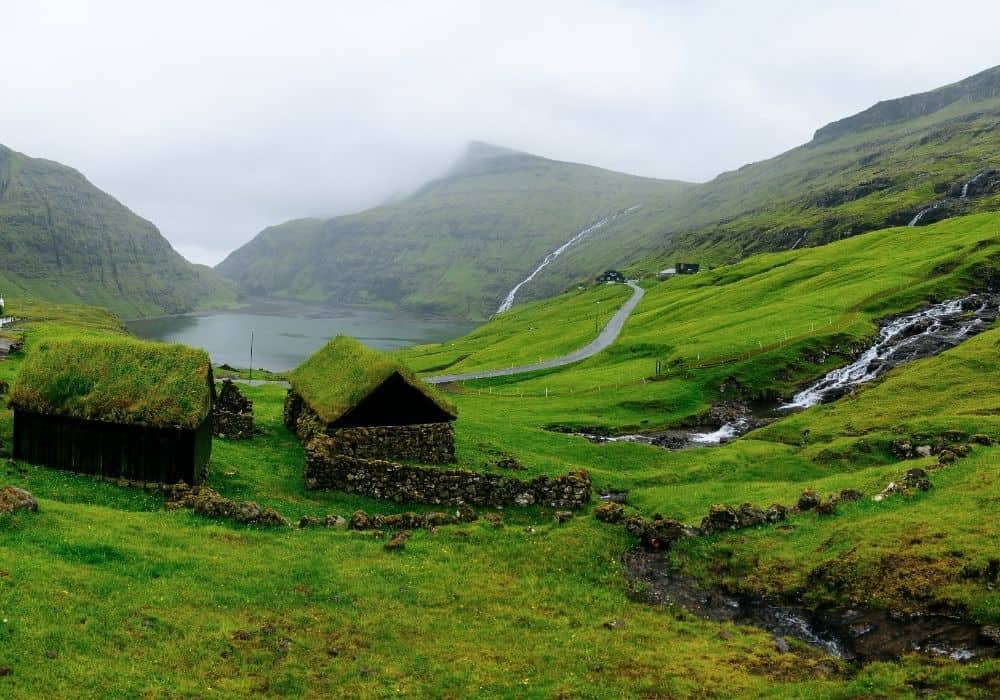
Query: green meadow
(104,593)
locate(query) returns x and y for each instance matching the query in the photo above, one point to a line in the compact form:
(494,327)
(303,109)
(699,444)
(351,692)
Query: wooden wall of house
(133,452)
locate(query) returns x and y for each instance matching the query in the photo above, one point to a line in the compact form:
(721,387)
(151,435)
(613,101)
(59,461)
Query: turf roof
(339,375)
(116,380)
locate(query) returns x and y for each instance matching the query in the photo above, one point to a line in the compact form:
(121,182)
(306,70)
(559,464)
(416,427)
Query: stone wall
(232,413)
(327,468)
(427,443)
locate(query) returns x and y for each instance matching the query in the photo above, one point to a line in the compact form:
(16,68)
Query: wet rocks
(14,499)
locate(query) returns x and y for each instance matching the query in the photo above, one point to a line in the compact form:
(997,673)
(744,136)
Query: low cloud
(215,120)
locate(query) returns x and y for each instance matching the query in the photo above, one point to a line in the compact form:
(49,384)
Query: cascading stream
(509,299)
(907,338)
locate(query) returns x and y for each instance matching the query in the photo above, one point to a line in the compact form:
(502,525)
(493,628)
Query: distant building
(666,274)
(611,276)
(115,407)
(687,268)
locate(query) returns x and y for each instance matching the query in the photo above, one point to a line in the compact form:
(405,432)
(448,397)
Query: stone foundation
(427,443)
(327,468)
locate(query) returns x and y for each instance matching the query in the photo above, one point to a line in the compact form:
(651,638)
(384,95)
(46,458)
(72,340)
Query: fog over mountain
(217,120)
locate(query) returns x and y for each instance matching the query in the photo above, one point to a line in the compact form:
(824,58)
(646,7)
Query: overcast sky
(216,119)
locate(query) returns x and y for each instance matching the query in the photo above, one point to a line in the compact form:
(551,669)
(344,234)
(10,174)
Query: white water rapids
(899,341)
(509,299)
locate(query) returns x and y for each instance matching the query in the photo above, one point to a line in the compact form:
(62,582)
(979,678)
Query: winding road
(606,338)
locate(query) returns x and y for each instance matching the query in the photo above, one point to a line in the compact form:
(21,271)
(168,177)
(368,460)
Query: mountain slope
(62,239)
(873,170)
(455,247)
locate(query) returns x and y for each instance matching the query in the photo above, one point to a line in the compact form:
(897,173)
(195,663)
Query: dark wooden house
(115,407)
(352,392)
(684,268)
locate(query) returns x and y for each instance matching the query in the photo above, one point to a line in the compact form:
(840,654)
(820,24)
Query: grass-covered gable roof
(115,380)
(339,375)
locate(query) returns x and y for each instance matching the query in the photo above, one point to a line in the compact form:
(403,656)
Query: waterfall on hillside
(801,238)
(920,214)
(965,189)
(907,338)
(509,299)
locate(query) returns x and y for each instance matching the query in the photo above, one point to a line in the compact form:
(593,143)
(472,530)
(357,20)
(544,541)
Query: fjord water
(285,333)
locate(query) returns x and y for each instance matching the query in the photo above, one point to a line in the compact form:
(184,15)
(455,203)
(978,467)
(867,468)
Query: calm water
(285,333)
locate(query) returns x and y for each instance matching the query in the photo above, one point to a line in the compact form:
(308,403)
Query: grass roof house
(115,407)
(370,404)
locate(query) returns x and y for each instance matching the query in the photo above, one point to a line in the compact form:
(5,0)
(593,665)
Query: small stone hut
(117,408)
(370,405)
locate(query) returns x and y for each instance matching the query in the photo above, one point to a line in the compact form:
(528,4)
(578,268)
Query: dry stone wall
(232,413)
(427,443)
(327,468)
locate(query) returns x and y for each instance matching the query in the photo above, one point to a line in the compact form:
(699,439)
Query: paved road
(607,336)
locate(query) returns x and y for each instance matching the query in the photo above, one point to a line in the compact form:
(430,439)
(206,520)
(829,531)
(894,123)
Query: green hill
(876,169)
(64,240)
(108,593)
(456,247)
(462,242)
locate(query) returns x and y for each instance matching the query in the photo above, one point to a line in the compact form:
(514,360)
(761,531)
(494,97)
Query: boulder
(247,512)
(609,512)
(13,499)
(776,513)
(359,521)
(398,541)
(848,495)
(720,518)
(917,479)
(750,515)
(563,516)
(809,500)
(826,508)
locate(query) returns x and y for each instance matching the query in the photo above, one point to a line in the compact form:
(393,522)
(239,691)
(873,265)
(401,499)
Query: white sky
(216,119)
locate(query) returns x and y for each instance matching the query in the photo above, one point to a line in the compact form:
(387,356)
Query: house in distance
(370,405)
(118,408)
(611,276)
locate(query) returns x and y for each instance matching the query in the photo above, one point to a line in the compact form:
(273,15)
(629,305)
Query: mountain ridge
(65,240)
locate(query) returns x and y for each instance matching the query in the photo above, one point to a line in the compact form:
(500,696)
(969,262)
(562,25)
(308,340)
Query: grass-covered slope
(64,240)
(866,172)
(455,247)
(105,593)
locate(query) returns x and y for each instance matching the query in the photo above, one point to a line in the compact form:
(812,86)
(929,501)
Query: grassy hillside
(460,244)
(869,171)
(104,592)
(64,240)
(455,247)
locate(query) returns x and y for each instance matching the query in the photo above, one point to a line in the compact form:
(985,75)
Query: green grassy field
(104,593)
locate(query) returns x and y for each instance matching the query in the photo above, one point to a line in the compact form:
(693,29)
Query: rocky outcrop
(232,414)
(328,468)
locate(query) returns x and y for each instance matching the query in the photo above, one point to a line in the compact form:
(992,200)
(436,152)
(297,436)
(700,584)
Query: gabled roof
(342,373)
(116,380)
